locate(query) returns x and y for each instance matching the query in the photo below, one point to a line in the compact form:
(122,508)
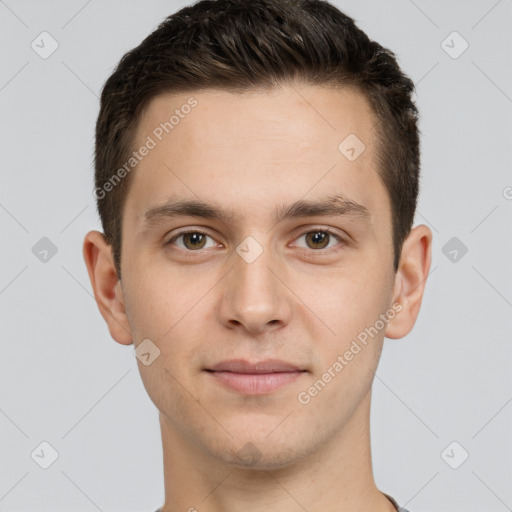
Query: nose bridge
(254,296)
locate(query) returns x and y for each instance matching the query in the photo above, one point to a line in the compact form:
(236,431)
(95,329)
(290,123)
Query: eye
(319,239)
(191,240)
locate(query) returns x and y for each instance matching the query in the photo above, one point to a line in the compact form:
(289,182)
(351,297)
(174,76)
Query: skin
(251,153)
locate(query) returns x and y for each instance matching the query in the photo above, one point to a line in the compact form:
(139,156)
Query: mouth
(258,378)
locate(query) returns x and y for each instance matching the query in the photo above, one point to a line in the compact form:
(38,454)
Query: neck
(337,477)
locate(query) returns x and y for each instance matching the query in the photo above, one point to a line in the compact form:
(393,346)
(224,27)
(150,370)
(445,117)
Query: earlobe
(106,286)
(410,280)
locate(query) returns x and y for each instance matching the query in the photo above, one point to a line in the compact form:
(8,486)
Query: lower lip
(255,383)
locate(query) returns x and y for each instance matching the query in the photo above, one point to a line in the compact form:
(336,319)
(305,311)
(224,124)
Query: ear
(410,280)
(106,286)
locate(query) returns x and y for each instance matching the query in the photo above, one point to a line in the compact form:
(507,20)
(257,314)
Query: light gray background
(65,381)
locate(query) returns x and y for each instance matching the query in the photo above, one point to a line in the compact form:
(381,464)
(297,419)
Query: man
(257,169)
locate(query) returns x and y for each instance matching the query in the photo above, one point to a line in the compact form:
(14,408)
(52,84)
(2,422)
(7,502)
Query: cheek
(160,297)
(346,302)
(172,310)
(347,357)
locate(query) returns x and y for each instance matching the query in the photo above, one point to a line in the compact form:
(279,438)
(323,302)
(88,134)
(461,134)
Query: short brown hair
(239,45)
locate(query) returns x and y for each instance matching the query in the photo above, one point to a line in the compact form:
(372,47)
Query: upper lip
(243,366)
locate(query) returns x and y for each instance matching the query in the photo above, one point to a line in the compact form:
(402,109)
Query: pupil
(319,237)
(195,239)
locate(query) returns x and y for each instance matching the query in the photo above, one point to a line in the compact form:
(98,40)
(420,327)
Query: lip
(243,366)
(257,378)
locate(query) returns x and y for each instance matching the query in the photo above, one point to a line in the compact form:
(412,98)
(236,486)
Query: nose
(254,297)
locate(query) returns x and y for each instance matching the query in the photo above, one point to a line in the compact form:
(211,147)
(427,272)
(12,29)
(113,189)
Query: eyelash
(341,241)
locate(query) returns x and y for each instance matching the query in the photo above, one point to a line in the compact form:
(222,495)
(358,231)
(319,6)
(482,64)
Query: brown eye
(194,240)
(320,240)
(317,239)
(191,241)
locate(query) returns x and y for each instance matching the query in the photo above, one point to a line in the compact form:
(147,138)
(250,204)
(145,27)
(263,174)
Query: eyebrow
(335,205)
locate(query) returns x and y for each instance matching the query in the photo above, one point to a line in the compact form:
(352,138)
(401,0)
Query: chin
(261,453)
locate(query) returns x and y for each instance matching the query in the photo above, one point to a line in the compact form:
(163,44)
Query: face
(250,301)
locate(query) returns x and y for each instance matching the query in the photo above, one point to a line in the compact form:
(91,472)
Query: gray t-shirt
(387,496)
(394,503)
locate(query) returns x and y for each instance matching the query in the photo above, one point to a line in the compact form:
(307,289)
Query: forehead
(306,113)
(254,148)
